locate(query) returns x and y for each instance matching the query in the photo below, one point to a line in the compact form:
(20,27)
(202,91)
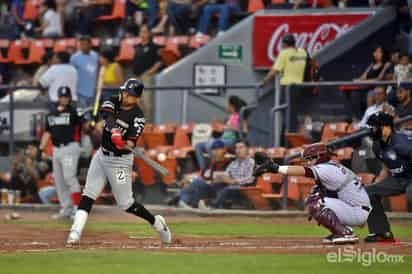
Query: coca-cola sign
(312,32)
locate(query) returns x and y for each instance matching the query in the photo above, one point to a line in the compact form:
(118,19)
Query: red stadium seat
(296,139)
(276,152)
(258,195)
(333,130)
(126,51)
(19,52)
(4,48)
(304,185)
(146,173)
(181,139)
(255,5)
(38,49)
(118,12)
(31,9)
(398,203)
(160,40)
(170,54)
(69,45)
(178,40)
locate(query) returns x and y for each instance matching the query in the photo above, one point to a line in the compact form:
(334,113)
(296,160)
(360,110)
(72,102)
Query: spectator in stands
(376,102)
(394,60)
(138,9)
(87,11)
(113,76)
(224,10)
(376,70)
(46,63)
(404,106)
(51,22)
(146,64)
(60,73)
(179,13)
(86,62)
(230,130)
(196,187)
(163,18)
(17,11)
(403,70)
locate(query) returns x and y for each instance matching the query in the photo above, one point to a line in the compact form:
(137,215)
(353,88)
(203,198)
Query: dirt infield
(16,237)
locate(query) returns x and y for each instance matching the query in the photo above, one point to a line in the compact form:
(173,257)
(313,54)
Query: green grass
(304,229)
(116,262)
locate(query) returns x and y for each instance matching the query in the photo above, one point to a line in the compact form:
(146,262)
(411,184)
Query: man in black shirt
(63,125)
(124,123)
(146,64)
(404,106)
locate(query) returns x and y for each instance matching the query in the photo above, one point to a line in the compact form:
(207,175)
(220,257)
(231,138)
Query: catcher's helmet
(289,40)
(318,151)
(133,87)
(64,91)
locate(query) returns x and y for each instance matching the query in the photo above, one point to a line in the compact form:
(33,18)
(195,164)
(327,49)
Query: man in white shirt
(61,73)
(51,25)
(379,94)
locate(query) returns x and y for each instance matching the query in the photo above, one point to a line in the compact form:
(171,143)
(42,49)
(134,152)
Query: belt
(368,209)
(112,153)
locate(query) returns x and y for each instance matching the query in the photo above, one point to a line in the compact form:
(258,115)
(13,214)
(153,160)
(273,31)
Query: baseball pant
(390,186)
(347,214)
(65,160)
(115,169)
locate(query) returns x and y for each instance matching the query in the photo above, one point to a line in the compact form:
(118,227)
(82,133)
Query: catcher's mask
(318,152)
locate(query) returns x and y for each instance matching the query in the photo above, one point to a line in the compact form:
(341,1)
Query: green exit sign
(230,52)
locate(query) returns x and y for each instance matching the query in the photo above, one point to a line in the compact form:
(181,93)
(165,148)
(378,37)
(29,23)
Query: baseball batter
(124,123)
(63,125)
(338,201)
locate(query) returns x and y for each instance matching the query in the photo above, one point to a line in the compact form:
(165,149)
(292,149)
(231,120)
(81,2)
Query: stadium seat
(254,195)
(38,49)
(197,41)
(398,203)
(68,44)
(160,40)
(31,9)
(146,173)
(181,139)
(353,127)
(19,52)
(4,48)
(253,150)
(333,130)
(178,40)
(257,194)
(170,54)
(276,153)
(126,51)
(255,5)
(366,178)
(304,185)
(118,12)
(296,139)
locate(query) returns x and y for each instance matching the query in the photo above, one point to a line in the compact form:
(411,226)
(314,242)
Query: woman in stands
(113,76)
(376,70)
(230,130)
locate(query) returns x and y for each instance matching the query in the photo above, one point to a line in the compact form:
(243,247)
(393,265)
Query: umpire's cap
(64,91)
(289,39)
(133,87)
(380,119)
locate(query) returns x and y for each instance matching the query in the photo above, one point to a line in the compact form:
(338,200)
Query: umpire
(63,125)
(395,151)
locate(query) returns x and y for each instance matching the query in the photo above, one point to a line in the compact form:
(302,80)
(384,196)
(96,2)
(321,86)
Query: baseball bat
(138,153)
(99,89)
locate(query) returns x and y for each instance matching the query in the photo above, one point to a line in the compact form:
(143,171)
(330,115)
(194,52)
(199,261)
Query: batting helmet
(133,87)
(318,151)
(64,91)
(378,120)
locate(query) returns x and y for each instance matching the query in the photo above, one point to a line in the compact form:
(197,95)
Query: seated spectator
(403,70)
(46,63)
(60,73)
(18,23)
(376,70)
(163,18)
(86,62)
(225,187)
(376,102)
(138,9)
(192,192)
(87,11)
(224,10)
(404,106)
(51,21)
(146,64)
(179,12)
(230,133)
(394,60)
(113,76)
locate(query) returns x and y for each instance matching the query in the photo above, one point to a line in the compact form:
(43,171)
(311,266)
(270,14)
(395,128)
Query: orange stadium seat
(38,49)
(178,40)
(118,12)
(181,139)
(258,194)
(146,173)
(68,44)
(31,9)
(198,41)
(304,185)
(4,48)
(333,130)
(255,5)
(398,203)
(277,153)
(296,139)
(160,40)
(19,52)
(126,51)
(366,178)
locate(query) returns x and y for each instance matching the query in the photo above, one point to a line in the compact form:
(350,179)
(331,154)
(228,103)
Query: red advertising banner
(312,32)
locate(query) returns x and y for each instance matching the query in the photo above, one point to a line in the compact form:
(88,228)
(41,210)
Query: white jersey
(336,177)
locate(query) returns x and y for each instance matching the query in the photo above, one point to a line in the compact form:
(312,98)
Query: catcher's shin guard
(325,216)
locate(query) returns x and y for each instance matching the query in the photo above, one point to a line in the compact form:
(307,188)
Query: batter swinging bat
(138,153)
(99,89)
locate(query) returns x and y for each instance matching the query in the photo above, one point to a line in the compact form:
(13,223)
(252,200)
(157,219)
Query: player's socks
(140,211)
(76,198)
(80,218)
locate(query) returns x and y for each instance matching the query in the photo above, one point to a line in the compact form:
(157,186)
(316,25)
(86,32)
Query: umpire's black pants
(390,186)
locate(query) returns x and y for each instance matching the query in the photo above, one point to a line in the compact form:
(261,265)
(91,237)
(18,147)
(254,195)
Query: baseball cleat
(73,239)
(386,237)
(345,239)
(161,227)
(328,239)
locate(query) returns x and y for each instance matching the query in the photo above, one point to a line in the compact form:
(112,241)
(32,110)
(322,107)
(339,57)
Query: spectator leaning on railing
(51,21)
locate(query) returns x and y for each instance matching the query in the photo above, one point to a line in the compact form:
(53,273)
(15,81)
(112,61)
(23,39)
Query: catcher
(338,201)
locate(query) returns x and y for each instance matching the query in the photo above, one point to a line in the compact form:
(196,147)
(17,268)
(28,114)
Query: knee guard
(86,203)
